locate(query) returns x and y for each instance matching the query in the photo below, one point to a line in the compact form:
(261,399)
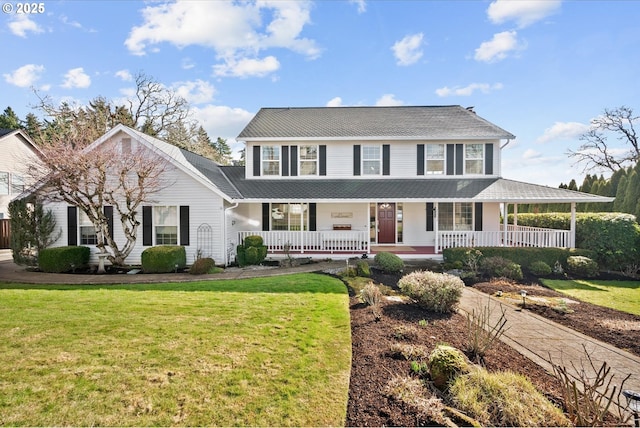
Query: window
(87,229)
(289,216)
(473,158)
(271,160)
(4,183)
(434,154)
(165,223)
(17,184)
(371,160)
(455,216)
(399,222)
(308,160)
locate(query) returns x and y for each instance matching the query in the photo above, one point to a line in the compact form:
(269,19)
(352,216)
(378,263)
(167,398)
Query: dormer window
(270,160)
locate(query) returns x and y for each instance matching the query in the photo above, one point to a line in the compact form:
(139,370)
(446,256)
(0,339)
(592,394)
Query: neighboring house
(343,181)
(16,150)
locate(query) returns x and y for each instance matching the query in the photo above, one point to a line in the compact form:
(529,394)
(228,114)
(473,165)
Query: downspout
(226,242)
(505,144)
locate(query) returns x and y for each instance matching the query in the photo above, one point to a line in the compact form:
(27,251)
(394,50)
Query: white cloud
(499,47)
(523,12)
(225,122)
(334,102)
(125,75)
(408,50)
(468,90)
(22,23)
(388,100)
(246,67)
(76,78)
(237,31)
(195,92)
(187,64)
(530,154)
(24,76)
(362,5)
(563,131)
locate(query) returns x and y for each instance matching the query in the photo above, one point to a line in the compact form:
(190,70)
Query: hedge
(251,251)
(63,259)
(523,256)
(163,259)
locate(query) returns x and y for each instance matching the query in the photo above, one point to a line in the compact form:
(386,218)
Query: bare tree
(597,152)
(111,174)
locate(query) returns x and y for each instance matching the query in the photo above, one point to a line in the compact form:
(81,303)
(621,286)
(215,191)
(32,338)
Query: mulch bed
(373,366)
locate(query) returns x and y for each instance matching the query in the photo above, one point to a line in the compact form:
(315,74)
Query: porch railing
(515,236)
(330,241)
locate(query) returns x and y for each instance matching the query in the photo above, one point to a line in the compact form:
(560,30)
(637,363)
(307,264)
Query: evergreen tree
(618,204)
(9,119)
(632,193)
(33,126)
(573,185)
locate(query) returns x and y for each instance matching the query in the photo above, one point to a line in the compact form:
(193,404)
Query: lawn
(261,352)
(620,295)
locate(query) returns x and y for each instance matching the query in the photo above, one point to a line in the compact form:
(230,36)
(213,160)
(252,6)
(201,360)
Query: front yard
(619,295)
(261,352)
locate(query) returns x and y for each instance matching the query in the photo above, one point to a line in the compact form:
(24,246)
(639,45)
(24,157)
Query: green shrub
(445,364)
(251,251)
(202,266)
(63,259)
(519,255)
(499,267)
(540,268)
(389,262)
(582,267)
(438,292)
(163,259)
(253,241)
(504,399)
(363,269)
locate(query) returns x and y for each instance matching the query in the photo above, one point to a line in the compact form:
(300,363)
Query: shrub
(438,292)
(446,363)
(408,351)
(499,267)
(363,269)
(504,399)
(582,267)
(482,332)
(540,268)
(202,266)
(63,259)
(251,252)
(163,259)
(389,262)
(370,295)
(253,241)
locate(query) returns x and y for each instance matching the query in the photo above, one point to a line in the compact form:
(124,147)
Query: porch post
(435,225)
(504,224)
(572,229)
(515,215)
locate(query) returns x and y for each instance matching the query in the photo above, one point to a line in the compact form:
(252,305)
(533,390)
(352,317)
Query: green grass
(261,352)
(620,295)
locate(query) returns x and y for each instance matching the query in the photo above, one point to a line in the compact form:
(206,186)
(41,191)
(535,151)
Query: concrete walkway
(535,337)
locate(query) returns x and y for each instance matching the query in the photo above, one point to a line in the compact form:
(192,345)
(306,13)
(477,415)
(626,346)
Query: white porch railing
(515,236)
(330,241)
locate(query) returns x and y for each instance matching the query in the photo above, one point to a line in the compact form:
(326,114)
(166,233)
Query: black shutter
(265,216)
(147,225)
(184,225)
(478,219)
(356,159)
(312,217)
(429,216)
(285,160)
(108,213)
(451,158)
(72,226)
(488,159)
(294,160)
(256,161)
(459,159)
(323,160)
(386,162)
(420,164)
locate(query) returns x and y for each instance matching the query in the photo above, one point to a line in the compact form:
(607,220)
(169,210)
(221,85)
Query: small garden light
(633,404)
(523,293)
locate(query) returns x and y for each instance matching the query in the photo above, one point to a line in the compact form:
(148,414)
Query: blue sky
(539,69)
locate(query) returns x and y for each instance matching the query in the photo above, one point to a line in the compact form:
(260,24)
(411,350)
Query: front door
(386,223)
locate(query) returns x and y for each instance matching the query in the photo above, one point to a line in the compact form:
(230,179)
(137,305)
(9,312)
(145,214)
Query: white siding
(415,225)
(15,156)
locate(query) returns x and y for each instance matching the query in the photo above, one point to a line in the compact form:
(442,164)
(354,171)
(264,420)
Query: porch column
(435,225)
(515,215)
(505,213)
(572,228)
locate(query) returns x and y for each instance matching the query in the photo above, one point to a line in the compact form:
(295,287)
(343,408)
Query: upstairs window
(434,155)
(308,160)
(270,160)
(371,160)
(455,216)
(474,158)
(165,223)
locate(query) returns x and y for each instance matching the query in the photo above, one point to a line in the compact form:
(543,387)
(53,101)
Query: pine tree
(9,119)
(618,204)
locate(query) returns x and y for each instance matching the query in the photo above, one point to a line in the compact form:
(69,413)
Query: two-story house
(341,181)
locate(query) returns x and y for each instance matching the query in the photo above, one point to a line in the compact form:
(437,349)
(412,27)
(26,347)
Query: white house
(17,149)
(341,181)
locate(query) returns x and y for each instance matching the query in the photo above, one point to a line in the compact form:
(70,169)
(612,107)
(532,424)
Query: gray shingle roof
(400,122)
(421,189)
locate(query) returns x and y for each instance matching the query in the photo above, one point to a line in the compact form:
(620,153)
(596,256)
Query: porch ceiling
(441,189)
